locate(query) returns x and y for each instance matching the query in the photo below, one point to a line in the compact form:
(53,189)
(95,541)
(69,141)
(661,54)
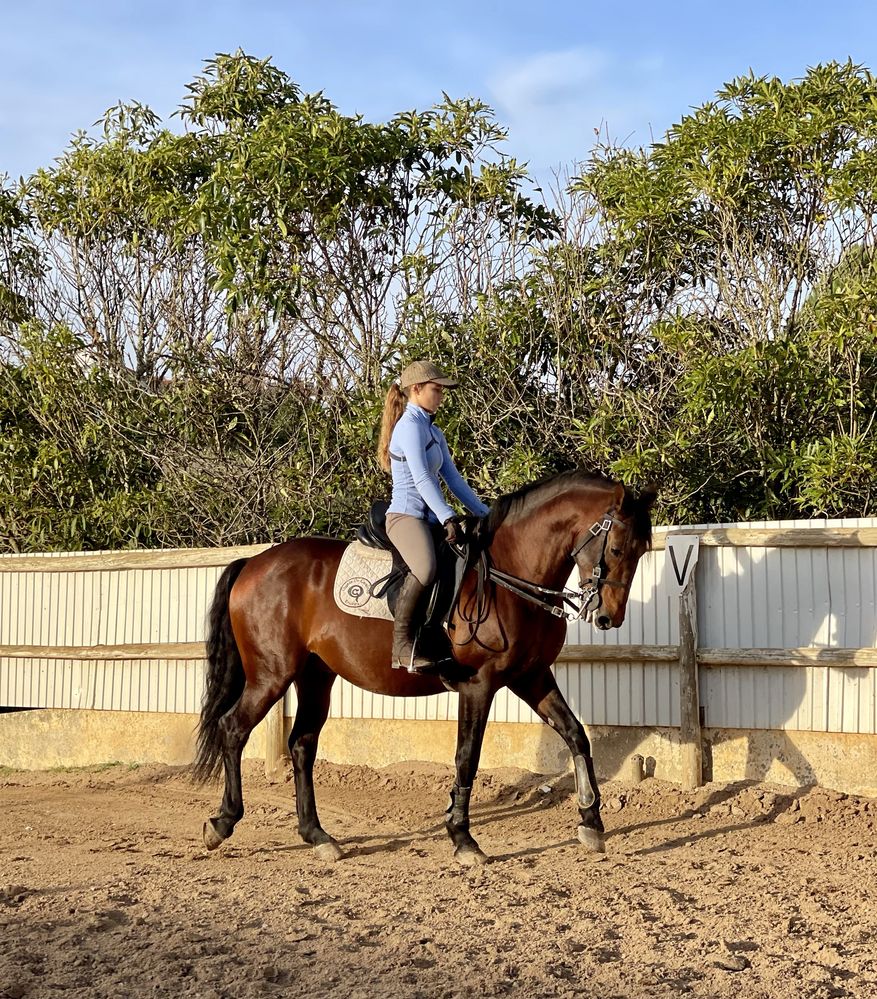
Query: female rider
(415,451)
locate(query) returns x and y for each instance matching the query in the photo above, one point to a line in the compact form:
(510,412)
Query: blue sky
(553,72)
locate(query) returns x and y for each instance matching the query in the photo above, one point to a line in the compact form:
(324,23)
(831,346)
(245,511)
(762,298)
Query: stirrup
(428,667)
(433,666)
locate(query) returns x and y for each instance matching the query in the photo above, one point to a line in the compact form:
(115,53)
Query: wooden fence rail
(182,558)
(813,656)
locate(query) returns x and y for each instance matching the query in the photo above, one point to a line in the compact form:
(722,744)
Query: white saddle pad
(361,566)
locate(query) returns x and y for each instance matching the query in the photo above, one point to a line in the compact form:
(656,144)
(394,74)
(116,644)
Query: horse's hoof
(591,839)
(212,839)
(330,852)
(470,856)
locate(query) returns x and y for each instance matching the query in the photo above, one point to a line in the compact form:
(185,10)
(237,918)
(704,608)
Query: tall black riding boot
(409,607)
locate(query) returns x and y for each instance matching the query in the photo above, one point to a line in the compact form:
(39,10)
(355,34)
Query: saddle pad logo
(360,567)
(355,592)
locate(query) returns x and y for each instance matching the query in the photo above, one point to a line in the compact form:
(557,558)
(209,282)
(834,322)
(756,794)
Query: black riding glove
(454,532)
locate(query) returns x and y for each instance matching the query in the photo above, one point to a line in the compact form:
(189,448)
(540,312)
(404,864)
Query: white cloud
(547,80)
(557,103)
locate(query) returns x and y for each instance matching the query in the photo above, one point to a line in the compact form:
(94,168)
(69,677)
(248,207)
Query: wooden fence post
(689,688)
(275,742)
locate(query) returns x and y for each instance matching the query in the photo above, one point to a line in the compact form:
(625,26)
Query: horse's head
(608,551)
(600,523)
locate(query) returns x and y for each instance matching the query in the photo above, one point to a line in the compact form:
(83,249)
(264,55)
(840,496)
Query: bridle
(581,602)
(590,586)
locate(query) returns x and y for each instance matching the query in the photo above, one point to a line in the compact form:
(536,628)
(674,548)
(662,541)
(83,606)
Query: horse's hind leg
(235,727)
(314,689)
(541,692)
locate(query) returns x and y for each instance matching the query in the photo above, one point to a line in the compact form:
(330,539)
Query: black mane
(637,508)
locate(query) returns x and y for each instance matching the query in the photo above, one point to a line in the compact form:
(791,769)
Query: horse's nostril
(604,621)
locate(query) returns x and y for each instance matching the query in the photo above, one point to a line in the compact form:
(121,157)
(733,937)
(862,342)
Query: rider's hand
(454,533)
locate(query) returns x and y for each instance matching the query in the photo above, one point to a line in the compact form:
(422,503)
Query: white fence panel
(638,693)
(754,597)
(777,598)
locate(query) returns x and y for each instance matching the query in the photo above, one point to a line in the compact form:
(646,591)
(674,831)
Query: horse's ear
(620,495)
(648,495)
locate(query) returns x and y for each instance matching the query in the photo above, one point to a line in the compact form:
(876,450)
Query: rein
(542,596)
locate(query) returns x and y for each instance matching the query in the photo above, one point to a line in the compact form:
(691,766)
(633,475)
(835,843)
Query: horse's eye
(615,551)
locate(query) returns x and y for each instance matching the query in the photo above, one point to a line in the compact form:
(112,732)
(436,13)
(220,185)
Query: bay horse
(274,621)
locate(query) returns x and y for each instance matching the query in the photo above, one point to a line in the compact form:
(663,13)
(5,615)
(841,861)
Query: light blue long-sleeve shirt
(418,456)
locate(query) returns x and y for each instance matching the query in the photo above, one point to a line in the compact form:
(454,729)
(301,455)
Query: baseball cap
(425,371)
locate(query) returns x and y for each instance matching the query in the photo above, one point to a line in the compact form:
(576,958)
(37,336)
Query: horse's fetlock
(223,826)
(590,817)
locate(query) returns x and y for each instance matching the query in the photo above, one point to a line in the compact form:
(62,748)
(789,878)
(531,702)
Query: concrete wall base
(838,760)
(47,738)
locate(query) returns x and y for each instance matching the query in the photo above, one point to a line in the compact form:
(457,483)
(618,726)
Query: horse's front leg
(540,691)
(474,707)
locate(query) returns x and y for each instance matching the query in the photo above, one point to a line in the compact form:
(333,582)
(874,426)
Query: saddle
(449,572)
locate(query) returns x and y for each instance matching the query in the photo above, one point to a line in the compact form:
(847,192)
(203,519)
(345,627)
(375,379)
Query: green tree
(730,226)
(233,296)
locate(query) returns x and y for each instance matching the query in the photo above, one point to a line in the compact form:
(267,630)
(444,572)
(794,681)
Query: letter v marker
(691,543)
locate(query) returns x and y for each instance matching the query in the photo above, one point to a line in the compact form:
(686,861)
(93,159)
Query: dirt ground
(732,891)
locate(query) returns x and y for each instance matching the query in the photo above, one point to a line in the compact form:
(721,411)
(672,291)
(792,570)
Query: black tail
(224,681)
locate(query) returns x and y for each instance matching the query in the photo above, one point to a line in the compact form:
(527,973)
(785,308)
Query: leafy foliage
(748,235)
(197,328)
